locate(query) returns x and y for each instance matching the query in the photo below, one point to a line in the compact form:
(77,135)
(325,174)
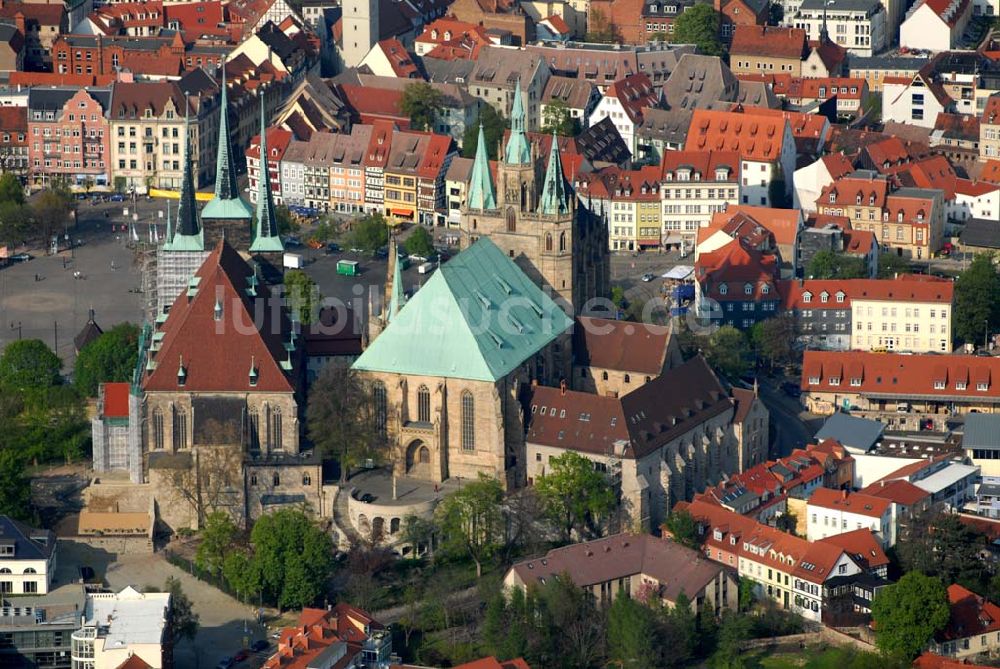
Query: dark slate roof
(29,543)
(602,142)
(981,233)
(843,5)
(886,63)
(7,32)
(982,430)
(89,333)
(448,71)
(54,98)
(851,431)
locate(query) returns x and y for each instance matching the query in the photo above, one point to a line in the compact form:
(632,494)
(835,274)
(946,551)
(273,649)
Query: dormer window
(723,289)
(833,197)
(920,215)
(840,296)
(765,289)
(856,382)
(939,384)
(982,386)
(748,289)
(254,373)
(834,380)
(960,385)
(813,380)
(899,216)
(181,374)
(807,297)
(721,175)
(857,200)
(218,310)
(871,199)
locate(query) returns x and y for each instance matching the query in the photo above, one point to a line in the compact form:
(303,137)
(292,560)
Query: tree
(302,296)
(11,190)
(471,520)
(891,264)
(343,419)
(286,222)
(726,350)
(419,532)
(774,340)
(27,364)
(217,537)
(109,358)
(630,633)
(699,25)
(493,128)
(683,528)
(183,620)
(15,222)
(566,626)
(293,557)
(207,484)
(977,301)
(15,488)
(241,573)
(830,265)
(734,629)
(422,103)
(574,495)
(786,522)
(420,243)
(370,233)
(908,613)
(51,211)
(410,618)
(557,118)
(940,544)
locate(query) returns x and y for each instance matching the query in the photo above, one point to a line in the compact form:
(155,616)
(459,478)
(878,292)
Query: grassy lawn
(812,657)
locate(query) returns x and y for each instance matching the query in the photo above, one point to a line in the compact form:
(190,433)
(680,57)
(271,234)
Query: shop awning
(402,212)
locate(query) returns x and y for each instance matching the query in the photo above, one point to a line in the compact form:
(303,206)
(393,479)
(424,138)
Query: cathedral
(533,216)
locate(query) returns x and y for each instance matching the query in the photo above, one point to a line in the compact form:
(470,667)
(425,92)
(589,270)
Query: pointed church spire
(265,238)
(518,152)
(824,36)
(481,193)
(555,193)
(227,203)
(188,234)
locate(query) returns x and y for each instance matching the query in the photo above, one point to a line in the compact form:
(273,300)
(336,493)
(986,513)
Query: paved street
(793,426)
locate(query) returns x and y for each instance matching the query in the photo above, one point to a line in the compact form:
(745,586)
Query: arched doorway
(418,460)
(378,529)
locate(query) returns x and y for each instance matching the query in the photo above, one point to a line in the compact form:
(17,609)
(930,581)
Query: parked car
(22,257)
(259,645)
(647,277)
(241,655)
(292,241)
(333,248)
(367,498)
(117,197)
(224,663)
(791,389)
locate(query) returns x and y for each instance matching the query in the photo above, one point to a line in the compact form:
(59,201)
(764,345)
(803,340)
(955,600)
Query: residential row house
(373,168)
(69,135)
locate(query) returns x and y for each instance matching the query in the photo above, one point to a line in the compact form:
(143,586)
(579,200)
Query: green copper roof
(555,196)
(265,234)
(188,234)
(227,204)
(478,317)
(517,152)
(398,297)
(481,193)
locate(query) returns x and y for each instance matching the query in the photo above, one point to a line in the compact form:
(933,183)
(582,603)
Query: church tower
(533,216)
(360,30)
(227,214)
(183,251)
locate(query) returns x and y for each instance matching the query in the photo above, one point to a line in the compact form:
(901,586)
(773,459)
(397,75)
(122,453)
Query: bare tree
(213,482)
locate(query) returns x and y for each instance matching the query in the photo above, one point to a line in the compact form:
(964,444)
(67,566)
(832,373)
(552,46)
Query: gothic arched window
(468,422)
(511,220)
(158,429)
(423,404)
(381,408)
(548,242)
(180,429)
(562,241)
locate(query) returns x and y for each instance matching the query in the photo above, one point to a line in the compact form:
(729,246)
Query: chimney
(562,387)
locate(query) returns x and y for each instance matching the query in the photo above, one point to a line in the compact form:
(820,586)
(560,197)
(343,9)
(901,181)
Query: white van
(426,268)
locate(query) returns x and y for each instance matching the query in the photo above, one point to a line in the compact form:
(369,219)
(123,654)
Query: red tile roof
(370,103)
(134,662)
(950,11)
(837,165)
(634,92)
(932,661)
(218,355)
(862,545)
(753,135)
(56,79)
(782,223)
(794,292)
(608,344)
(769,41)
(116,400)
(493,663)
(893,375)
(45,14)
(991,112)
(557,22)
(991,171)
(899,491)
(734,265)
(703,163)
(14,120)
(399,59)
(316,630)
(859,242)
(905,288)
(856,502)
(739,226)
(846,191)
(971,615)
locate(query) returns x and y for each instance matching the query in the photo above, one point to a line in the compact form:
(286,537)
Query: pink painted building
(68,135)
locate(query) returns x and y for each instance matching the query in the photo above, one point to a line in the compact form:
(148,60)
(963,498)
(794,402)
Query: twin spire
(187,234)
(227,203)
(265,238)
(556,197)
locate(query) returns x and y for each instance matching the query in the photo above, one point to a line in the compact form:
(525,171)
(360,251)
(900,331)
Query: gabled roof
(848,502)
(458,325)
(949,11)
(862,545)
(493,663)
(899,491)
(634,92)
(578,421)
(134,98)
(617,345)
(733,266)
(784,224)
(753,135)
(215,358)
(971,615)
(28,543)
(770,41)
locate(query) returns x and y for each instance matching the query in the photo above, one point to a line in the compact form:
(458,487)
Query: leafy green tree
(241,573)
(471,520)
(940,544)
(15,488)
(774,340)
(217,537)
(15,222)
(734,629)
(830,265)
(420,243)
(786,522)
(370,233)
(286,222)
(699,25)
(630,633)
(184,622)
(11,189)
(618,297)
(683,528)
(27,364)
(567,629)
(726,349)
(494,126)
(977,301)
(342,418)
(574,495)
(419,532)
(677,632)
(890,264)
(109,358)
(302,296)
(908,613)
(557,118)
(423,104)
(51,211)
(293,556)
